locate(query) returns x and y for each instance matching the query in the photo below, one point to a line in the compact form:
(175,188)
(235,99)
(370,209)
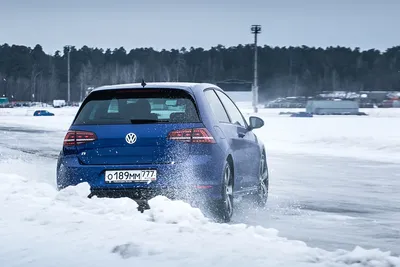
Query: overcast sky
(200,23)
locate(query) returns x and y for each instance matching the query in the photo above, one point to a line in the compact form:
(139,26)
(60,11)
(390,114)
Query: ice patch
(360,257)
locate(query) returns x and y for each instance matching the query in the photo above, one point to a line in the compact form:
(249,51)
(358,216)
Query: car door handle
(241,135)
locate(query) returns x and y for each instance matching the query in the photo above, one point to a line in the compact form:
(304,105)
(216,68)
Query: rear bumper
(144,194)
(198,176)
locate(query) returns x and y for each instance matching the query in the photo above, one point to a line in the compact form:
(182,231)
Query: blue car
(302,115)
(42,113)
(180,140)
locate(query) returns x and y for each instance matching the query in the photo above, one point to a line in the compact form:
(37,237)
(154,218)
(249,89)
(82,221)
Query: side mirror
(255,123)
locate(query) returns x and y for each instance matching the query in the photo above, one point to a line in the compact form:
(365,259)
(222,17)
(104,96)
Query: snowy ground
(334,185)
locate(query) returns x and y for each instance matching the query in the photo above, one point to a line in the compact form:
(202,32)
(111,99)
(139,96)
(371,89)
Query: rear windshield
(138,106)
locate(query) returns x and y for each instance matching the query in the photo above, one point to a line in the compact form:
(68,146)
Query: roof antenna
(143,83)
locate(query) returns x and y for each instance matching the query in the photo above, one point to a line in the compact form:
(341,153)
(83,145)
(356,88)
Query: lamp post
(5,86)
(34,86)
(255,29)
(69,74)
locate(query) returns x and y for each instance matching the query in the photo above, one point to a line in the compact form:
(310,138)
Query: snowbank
(42,227)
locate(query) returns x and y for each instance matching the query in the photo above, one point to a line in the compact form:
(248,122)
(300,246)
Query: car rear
(140,143)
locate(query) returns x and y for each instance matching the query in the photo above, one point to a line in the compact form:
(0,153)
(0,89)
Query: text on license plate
(126,176)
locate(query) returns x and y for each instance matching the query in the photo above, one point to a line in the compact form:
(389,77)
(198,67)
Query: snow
(40,226)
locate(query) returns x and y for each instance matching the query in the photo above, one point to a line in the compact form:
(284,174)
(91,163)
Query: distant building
(328,107)
(240,96)
(237,90)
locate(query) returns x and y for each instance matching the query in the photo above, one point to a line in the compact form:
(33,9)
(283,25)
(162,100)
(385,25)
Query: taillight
(73,138)
(196,135)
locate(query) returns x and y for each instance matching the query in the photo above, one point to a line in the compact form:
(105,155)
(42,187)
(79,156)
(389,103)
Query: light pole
(255,29)
(5,86)
(34,86)
(69,75)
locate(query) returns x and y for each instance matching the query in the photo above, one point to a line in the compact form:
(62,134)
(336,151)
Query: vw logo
(130,138)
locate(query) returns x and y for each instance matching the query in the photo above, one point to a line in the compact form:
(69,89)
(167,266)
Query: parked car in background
(42,113)
(302,115)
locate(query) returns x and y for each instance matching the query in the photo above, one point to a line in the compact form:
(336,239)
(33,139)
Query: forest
(29,74)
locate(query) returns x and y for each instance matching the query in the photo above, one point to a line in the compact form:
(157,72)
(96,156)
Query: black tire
(261,197)
(223,209)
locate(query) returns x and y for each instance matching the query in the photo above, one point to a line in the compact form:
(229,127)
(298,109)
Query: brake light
(73,138)
(196,135)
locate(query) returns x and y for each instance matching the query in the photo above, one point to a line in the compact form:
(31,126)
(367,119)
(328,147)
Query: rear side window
(216,106)
(233,112)
(130,106)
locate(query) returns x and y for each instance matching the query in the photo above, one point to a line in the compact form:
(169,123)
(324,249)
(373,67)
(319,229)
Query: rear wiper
(142,121)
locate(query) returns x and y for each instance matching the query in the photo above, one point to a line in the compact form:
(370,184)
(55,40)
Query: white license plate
(130,176)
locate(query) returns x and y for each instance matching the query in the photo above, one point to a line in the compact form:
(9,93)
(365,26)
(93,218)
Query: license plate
(130,176)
